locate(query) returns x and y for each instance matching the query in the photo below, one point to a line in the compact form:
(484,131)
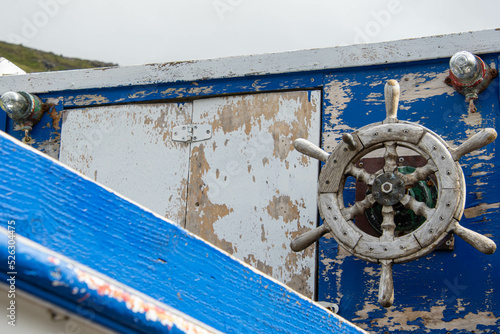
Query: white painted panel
(250,191)
(129,149)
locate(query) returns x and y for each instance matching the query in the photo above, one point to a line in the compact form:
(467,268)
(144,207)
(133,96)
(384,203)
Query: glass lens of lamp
(13,103)
(465,67)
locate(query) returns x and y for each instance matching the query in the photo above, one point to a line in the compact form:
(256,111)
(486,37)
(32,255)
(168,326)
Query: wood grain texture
(87,293)
(74,216)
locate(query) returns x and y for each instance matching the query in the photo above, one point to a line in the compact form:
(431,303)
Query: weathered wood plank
(85,292)
(72,215)
(297,61)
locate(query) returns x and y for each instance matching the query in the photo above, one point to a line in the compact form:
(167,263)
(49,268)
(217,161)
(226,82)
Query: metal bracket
(191,133)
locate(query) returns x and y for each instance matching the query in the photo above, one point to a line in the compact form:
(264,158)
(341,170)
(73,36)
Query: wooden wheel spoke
(420,174)
(390,157)
(360,174)
(419,208)
(358,207)
(388,225)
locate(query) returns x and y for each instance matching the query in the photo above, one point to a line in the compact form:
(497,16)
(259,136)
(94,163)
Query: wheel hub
(388,189)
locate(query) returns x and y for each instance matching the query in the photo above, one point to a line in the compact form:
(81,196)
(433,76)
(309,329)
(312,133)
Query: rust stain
(480,209)
(56,118)
(202,213)
(282,206)
(265,161)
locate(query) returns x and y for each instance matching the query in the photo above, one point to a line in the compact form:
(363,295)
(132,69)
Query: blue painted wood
(189,90)
(3,120)
(74,216)
(46,134)
(70,285)
(435,293)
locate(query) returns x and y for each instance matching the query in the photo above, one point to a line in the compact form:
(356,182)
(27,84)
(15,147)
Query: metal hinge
(192,132)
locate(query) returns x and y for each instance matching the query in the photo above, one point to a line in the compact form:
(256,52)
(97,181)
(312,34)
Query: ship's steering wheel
(388,187)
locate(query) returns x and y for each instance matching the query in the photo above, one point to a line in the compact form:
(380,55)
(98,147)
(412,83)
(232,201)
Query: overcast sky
(131,32)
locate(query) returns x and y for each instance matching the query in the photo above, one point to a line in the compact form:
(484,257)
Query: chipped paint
(480,209)
(353,99)
(283,207)
(102,139)
(423,85)
(409,319)
(203,213)
(87,99)
(137,304)
(249,190)
(337,94)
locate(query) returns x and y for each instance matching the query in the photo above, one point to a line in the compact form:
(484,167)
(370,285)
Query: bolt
(448,243)
(377,182)
(402,247)
(376,194)
(208,131)
(401,159)
(400,183)
(387,187)
(399,196)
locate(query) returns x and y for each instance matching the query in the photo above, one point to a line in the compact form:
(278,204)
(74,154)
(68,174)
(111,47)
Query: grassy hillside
(32,60)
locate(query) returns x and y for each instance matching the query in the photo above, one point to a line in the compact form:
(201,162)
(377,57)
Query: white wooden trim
(443,46)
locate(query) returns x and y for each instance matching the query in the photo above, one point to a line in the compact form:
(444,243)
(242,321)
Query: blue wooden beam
(72,215)
(83,291)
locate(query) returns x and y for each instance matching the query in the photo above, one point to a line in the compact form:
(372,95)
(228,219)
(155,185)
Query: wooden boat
(165,197)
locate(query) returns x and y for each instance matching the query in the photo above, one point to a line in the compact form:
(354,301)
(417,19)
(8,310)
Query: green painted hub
(406,220)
